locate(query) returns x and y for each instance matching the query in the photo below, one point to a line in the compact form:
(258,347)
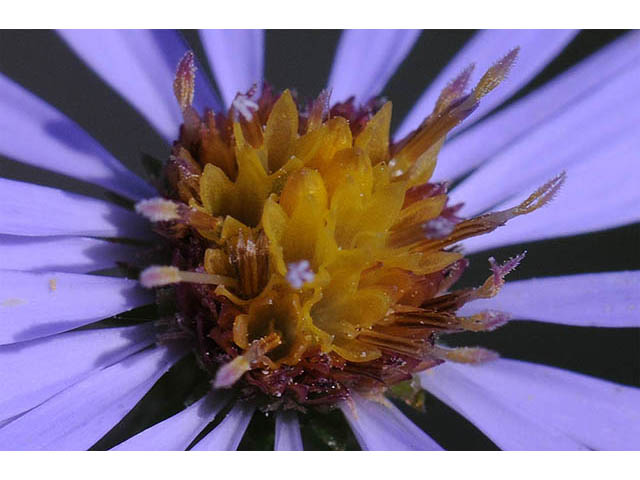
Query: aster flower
(302,258)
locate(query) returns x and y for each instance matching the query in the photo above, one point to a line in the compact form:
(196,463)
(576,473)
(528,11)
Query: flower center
(310,256)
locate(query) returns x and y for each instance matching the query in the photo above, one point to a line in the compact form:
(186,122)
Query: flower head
(322,241)
(308,260)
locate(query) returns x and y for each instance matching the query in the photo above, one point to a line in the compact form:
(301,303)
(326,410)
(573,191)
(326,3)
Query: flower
(65,387)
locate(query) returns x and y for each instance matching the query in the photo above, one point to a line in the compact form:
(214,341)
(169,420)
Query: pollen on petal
(244,106)
(440,227)
(158,209)
(299,273)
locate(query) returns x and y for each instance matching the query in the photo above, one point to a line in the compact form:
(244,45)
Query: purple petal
(80,415)
(236,58)
(599,193)
(496,418)
(598,414)
(178,431)
(34,305)
(537,49)
(228,434)
(36,370)
(380,426)
(38,134)
(502,422)
(33,210)
(288,436)
(588,300)
(585,132)
(487,139)
(141,65)
(61,254)
(365,60)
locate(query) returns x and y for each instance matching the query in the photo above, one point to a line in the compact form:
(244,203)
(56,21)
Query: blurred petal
(34,305)
(236,58)
(61,254)
(601,192)
(33,132)
(494,415)
(537,49)
(580,134)
(28,209)
(380,426)
(178,431)
(288,436)
(228,434)
(141,65)
(36,370)
(482,142)
(588,300)
(79,416)
(595,413)
(365,60)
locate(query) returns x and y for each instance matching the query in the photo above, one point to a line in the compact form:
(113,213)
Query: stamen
(162,210)
(299,273)
(158,276)
(230,373)
(244,106)
(158,209)
(490,221)
(185,80)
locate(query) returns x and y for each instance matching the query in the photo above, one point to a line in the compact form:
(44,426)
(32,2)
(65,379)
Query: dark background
(301,59)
